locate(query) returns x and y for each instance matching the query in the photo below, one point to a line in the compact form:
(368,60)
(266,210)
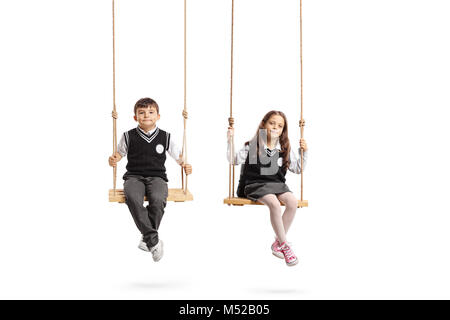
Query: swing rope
(184,178)
(231,119)
(114,99)
(302,121)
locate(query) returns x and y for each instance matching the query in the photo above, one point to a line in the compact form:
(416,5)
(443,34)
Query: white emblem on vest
(159,148)
(280,162)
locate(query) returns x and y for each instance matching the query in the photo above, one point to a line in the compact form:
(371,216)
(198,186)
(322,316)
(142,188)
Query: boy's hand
(114,159)
(187,168)
(230,132)
(303,145)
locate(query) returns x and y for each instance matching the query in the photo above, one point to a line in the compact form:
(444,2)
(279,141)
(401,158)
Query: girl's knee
(274,206)
(289,200)
(291,204)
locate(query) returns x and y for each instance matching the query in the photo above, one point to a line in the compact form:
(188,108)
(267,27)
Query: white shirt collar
(149,132)
(278,146)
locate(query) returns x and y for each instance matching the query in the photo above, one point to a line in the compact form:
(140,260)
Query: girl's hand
(230,133)
(187,169)
(115,115)
(303,145)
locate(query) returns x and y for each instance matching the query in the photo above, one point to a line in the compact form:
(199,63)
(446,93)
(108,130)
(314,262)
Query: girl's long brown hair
(284,138)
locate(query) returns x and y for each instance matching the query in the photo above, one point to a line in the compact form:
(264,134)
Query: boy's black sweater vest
(147,154)
(253,172)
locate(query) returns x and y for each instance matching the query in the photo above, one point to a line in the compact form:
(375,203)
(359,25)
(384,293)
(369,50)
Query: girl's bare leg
(290,201)
(272,202)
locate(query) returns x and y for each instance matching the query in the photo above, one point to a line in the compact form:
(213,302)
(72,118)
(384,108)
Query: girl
(266,159)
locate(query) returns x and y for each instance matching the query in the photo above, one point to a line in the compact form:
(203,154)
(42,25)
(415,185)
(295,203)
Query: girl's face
(274,126)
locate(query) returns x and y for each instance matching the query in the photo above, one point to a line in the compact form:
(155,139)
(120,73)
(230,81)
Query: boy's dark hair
(146,103)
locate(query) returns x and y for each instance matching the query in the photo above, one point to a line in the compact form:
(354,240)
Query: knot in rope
(231,121)
(185,114)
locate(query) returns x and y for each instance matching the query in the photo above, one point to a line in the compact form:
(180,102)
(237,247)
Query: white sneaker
(143,246)
(157,251)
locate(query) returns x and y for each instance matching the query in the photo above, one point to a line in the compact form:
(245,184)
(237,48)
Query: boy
(145,148)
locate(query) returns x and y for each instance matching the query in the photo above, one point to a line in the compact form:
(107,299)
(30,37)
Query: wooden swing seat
(235,201)
(176,195)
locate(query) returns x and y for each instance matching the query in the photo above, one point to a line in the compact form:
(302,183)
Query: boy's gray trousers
(148,218)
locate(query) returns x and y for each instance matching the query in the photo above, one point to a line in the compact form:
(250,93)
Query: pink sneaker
(289,256)
(276,251)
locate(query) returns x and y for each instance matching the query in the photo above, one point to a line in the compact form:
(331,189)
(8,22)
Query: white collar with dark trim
(269,152)
(149,133)
(278,146)
(148,136)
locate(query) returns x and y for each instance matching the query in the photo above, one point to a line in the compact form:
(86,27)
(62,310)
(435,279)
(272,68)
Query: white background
(376,97)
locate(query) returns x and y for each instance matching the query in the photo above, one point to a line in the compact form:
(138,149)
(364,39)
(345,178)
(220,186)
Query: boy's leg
(134,188)
(157,192)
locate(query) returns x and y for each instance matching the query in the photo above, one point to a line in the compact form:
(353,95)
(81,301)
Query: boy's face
(146,117)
